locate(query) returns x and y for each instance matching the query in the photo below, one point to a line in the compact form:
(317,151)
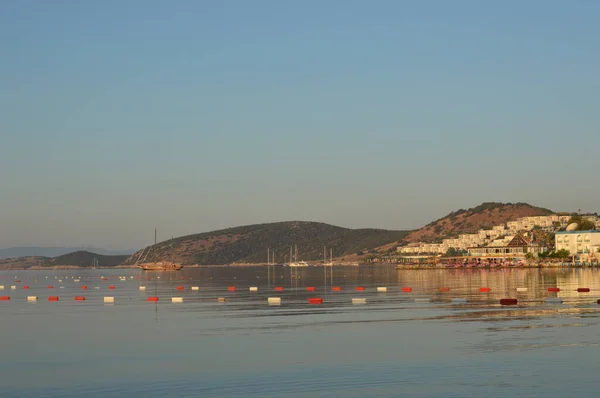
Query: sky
(121,116)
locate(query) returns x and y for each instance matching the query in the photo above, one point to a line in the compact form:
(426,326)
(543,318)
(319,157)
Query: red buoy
(444,289)
(4,298)
(79,298)
(17,281)
(484,289)
(554,289)
(315,300)
(359,288)
(50,287)
(25,287)
(336,289)
(83,287)
(104,279)
(231,288)
(111,287)
(152,298)
(583,289)
(180,288)
(52,298)
(279,288)
(508,301)
(310,288)
(598,302)
(407,289)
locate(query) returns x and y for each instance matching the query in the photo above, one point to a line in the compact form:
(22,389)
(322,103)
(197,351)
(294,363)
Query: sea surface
(390,346)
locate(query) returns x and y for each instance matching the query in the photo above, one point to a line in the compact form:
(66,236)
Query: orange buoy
(52,298)
(104,279)
(315,300)
(4,298)
(359,288)
(444,289)
(407,289)
(17,281)
(554,289)
(231,288)
(79,298)
(336,289)
(583,289)
(152,298)
(180,288)
(310,288)
(279,288)
(508,301)
(50,287)
(83,287)
(111,287)
(25,287)
(484,289)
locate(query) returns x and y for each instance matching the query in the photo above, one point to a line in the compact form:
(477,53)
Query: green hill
(249,244)
(84,258)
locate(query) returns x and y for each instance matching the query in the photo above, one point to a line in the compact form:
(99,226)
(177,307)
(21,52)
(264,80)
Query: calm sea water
(391,346)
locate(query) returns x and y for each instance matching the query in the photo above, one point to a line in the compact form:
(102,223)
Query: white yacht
(298,264)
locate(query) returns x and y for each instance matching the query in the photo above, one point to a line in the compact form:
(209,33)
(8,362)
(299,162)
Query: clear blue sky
(119,116)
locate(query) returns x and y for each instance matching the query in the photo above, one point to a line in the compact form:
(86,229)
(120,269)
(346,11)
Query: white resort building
(496,241)
(518,246)
(577,242)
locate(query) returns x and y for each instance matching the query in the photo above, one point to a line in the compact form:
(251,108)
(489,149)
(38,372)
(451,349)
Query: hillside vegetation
(21,262)
(249,244)
(484,216)
(84,258)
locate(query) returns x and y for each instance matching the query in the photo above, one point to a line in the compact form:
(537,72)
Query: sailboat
(159,265)
(296,263)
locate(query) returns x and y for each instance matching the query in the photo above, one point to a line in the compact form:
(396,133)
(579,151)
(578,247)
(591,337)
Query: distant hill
(84,258)
(249,244)
(21,262)
(28,251)
(484,216)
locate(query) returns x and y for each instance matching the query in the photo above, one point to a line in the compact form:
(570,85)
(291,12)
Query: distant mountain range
(27,251)
(84,258)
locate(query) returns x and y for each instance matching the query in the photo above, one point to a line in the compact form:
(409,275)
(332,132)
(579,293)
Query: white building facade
(577,242)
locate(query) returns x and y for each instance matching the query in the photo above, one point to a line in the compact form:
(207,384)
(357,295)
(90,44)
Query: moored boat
(161,266)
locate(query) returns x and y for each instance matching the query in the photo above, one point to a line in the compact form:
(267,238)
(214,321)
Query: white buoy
(109,299)
(459,300)
(60,281)
(142,287)
(422,300)
(13,288)
(521,289)
(195,288)
(359,300)
(274,300)
(253,289)
(96,287)
(382,289)
(1,287)
(32,298)
(177,299)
